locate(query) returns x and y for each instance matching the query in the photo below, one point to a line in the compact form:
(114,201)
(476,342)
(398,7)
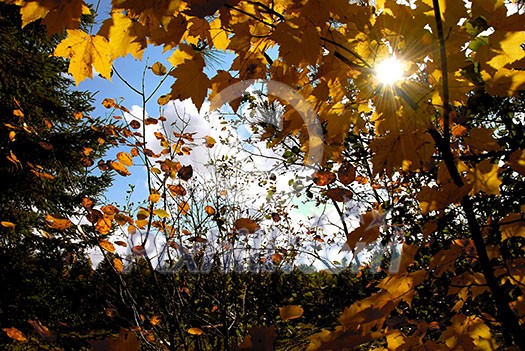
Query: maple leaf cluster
(428,141)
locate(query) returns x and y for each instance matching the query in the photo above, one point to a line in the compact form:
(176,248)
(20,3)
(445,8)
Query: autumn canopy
(440,148)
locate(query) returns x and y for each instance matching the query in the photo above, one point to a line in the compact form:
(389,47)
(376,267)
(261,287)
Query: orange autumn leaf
(108,103)
(121,243)
(106,245)
(322,178)
(138,250)
(155,320)
(185,173)
(339,194)
(346,173)
(57,222)
(195,331)
(246,225)
(7,224)
(42,330)
(103,225)
(159,69)
(290,312)
(209,141)
(117,263)
(120,168)
(177,190)
(154,197)
(125,158)
(277,258)
(183,207)
(134,124)
(87,203)
(209,210)
(15,334)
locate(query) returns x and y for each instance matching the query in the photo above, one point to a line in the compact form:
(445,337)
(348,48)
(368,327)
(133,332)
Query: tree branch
(506,316)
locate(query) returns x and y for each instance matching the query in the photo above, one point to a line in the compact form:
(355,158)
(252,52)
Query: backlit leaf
(7,224)
(106,245)
(322,178)
(159,69)
(339,194)
(484,177)
(517,161)
(346,173)
(154,197)
(126,36)
(15,334)
(185,173)
(246,225)
(191,81)
(86,52)
(117,263)
(195,331)
(209,141)
(125,158)
(290,312)
(177,190)
(103,225)
(57,222)
(57,16)
(155,320)
(161,213)
(138,250)
(120,168)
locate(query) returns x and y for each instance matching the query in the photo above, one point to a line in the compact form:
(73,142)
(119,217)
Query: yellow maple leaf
(219,36)
(191,81)
(298,43)
(56,15)
(182,54)
(484,177)
(86,52)
(468,333)
(508,48)
(126,36)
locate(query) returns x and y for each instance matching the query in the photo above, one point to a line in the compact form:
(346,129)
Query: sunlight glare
(389,71)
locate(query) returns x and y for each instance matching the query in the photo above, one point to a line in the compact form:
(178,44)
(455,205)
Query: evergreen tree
(48,148)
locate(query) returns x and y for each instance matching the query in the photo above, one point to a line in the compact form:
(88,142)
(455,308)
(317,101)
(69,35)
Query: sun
(389,71)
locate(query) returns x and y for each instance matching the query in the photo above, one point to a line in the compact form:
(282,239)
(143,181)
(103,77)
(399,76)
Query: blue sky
(132,71)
